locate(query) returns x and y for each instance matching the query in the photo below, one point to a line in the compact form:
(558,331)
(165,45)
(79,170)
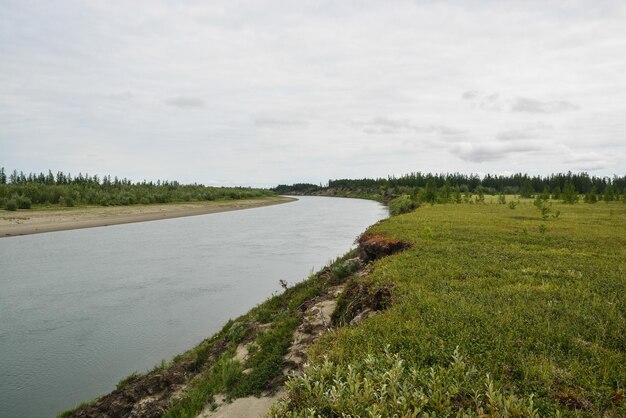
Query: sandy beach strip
(35,221)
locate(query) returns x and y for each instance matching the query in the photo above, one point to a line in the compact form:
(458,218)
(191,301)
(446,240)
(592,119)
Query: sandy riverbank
(35,221)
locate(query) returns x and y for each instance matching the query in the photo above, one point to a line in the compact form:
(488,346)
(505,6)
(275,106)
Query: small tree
(445,192)
(608,195)
(456,195)
(429,194)
(569,195)
(527,189)
(480,198)
(592,196)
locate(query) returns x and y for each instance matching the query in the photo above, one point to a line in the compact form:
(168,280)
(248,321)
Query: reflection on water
(82,309)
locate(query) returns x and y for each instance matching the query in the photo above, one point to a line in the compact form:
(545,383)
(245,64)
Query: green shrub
(236,332)
(23,202)
(401,204)
(11,205)
(342,269)
(384,384)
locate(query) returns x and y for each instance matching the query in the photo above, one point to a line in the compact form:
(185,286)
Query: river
(82,309)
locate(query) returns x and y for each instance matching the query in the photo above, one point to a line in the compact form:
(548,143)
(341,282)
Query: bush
(342,269)
(236,332)
(23,202)
(402,204)
(11,205)
(384,384)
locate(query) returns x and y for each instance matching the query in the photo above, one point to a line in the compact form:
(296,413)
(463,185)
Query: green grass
(536,305)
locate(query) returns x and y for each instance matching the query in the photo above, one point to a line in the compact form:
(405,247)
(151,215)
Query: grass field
(496,312)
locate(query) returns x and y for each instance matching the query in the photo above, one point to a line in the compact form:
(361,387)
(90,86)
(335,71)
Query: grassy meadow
(497,311)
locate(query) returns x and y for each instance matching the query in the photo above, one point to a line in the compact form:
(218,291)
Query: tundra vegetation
(495,313)
(21,191)
(488,305)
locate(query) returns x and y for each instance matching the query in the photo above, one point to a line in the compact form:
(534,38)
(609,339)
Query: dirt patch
(149,396)
(316,320)
(373,247)
(572,398)
(359,301)
(249,407)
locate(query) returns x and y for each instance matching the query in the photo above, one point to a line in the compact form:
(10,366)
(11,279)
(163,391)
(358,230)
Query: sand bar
(35,221)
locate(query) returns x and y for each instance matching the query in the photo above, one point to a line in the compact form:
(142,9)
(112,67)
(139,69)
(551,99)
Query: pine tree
(569,195)
(608,195)
(526,189)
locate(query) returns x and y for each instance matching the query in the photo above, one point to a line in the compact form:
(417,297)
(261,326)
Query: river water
(81,309)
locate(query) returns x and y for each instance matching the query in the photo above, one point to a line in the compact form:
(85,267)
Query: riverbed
(82,309)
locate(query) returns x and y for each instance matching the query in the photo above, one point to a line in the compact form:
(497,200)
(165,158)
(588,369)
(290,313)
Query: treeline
(522,184)
(21,191)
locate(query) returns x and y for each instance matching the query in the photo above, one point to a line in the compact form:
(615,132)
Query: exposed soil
(359,301)
(373,247)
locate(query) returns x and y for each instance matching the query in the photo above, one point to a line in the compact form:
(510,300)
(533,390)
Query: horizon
(322,184)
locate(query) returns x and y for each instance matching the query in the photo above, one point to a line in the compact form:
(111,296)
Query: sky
(266,92)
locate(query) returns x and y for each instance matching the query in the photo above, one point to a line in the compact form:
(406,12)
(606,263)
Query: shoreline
(37,221)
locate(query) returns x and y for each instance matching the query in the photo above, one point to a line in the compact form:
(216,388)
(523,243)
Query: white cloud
(185,102)
(265,92)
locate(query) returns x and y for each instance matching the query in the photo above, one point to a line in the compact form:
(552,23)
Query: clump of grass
(128,379)
(343,268)
(223,374)
(267,361)
(236,332)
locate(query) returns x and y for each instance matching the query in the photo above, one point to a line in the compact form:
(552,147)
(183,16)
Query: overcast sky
(268,92)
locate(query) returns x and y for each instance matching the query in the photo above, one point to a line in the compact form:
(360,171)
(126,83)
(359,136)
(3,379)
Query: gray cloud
(185,102)
(484,152)
(267,122)
(523,104)
(592,161)
(390,126)
(469,95)
(122,96)
(497,102)
(514,135)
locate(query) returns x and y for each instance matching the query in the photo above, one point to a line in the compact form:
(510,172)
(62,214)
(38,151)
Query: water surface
(82,309)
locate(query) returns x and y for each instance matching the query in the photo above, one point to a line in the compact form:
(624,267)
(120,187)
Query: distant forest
(517,184)
(21,191)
